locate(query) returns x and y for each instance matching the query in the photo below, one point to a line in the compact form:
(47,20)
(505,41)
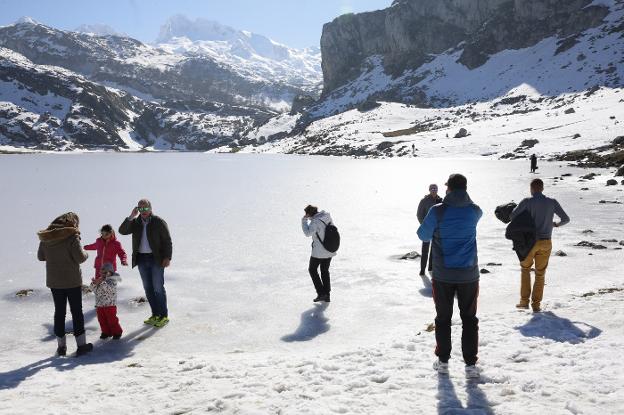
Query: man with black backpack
(325,243)
(452,228)
(542,210)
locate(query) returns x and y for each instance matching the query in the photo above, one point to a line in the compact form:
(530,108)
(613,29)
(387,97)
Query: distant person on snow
(62,252)
(533,163)
(425,204)
(104,286)
(315,224)
(452,228)
(151,251)
(108,249)
(542,210)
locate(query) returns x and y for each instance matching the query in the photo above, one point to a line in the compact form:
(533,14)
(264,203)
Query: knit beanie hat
(108,267)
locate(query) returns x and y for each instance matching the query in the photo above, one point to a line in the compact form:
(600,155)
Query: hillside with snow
(512,78)
(51,108)
(183,99)
(556,95)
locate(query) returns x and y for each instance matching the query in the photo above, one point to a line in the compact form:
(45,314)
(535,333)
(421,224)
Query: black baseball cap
(457,182)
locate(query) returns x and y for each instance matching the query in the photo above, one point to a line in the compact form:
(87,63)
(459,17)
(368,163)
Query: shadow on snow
(103,352)
(313,323)
(550,326)
(449,403)
(89,316)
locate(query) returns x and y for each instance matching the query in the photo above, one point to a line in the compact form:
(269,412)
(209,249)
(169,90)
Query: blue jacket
(452,226)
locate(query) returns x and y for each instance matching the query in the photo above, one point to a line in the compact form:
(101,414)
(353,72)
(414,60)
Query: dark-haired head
(107,232)
(457,182)
(310,210)
(537,186)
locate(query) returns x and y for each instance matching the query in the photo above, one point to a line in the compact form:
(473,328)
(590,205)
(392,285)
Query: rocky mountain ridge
(134,95)
(408,33)
(472,62)
(45,107)
(143,69)
(252,55)
(559,94)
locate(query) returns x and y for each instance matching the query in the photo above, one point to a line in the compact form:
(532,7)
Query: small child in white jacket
(105,289)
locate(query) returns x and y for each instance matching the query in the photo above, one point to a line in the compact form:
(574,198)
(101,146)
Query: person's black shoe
(326,298)
(117,337)
(318,299)
(84,349)
(422,273)
(104,336)
(61,351)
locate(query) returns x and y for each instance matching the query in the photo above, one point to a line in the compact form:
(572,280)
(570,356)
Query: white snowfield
(245,337)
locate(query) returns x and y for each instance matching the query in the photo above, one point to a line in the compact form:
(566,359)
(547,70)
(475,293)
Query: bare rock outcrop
(409,31)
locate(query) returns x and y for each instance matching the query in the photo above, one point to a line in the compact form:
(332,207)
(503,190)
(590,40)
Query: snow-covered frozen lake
(245,336)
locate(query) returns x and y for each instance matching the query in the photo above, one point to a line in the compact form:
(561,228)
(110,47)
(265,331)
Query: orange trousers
(539,255)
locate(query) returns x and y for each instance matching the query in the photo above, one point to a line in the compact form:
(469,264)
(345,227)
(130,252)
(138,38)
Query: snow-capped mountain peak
(252,54)
(98,29)
(241,42)
(198,29)
(26,20)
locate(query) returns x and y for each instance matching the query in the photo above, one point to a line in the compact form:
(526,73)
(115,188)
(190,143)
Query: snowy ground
(568,122)
(245,336)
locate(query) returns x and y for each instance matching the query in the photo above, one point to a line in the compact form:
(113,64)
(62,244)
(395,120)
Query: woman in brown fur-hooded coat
(62,252)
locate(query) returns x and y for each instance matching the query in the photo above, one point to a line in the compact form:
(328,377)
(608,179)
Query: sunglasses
(144,209)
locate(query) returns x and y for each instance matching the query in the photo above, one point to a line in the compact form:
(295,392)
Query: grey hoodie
(542,210)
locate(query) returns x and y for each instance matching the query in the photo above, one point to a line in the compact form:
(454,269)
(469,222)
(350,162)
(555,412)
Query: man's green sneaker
(161,322)
(152,320)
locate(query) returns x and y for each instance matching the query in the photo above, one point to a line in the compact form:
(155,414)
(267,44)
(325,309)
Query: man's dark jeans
(467,295)
(322,284)
(61,298)
(153,277)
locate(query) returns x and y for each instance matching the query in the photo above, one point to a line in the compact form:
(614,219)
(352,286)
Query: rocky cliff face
(409,32)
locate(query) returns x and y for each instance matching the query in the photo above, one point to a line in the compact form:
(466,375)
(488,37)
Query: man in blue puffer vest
(452,228)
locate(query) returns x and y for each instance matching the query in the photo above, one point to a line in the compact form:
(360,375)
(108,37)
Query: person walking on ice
(104,286)
(325,243)
(151,252)
(542,210)
(452,229)
(427,202)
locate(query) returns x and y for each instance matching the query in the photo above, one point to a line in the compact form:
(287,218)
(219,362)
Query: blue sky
(297,23)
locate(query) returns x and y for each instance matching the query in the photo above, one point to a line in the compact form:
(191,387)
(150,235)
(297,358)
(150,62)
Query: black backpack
(332,237)
(503,212)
